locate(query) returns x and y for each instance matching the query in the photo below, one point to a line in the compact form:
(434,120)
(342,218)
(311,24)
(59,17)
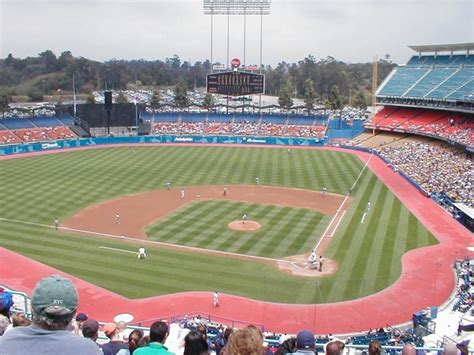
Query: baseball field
(366,247)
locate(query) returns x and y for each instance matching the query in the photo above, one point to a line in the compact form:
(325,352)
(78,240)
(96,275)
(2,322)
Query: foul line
(363,217)
(337,224)
(115,249)
(340,207)
(136,240)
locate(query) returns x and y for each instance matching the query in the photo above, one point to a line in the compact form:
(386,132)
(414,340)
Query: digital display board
(235,83)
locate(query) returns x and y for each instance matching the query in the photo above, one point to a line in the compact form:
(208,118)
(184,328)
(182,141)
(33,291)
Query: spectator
(6,302)
(195,344)
(450,349)
(112,331)
(408,349)
(90,329)
(134,339)
(375,348)
(246,341)
(287,346)
(77,323)
(220,341)
(54,303)
(305,342)
(334,347)
(158,335)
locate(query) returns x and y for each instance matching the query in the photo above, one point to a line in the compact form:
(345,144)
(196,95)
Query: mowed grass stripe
(38,189)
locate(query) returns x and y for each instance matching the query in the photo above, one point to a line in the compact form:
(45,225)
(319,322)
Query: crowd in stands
(436,168)
(239,128)
(57,328)
(444,125)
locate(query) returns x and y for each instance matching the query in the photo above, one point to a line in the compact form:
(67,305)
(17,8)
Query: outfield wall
(193,139)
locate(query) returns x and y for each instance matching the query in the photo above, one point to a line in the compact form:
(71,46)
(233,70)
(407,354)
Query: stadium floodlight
(237,7)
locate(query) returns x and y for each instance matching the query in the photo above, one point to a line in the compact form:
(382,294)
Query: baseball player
(225,191)
(244,218)
(182,193)
(215,299)
(117,218)
(325,189)
(56,223)
(168,185)
(368,206)
(141,253)
(257,180)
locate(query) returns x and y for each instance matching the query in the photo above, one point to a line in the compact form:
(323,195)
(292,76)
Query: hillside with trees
(326,80)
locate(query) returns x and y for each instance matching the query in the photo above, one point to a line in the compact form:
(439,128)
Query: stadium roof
(443,47)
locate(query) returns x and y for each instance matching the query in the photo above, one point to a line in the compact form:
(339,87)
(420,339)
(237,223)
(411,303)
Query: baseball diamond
(66,183)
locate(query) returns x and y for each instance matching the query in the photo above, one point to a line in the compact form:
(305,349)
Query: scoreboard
(235,83)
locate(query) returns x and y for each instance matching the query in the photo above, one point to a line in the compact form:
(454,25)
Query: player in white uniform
(141,253)
(117,218)
(244,218)
(215,299)
(368,206)
(182,193)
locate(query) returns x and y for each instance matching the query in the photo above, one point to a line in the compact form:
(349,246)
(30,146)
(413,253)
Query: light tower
(240,8)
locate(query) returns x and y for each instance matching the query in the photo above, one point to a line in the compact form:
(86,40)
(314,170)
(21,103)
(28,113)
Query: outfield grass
(37,189)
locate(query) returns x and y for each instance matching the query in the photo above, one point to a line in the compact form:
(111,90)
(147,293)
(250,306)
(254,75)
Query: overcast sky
(349,30)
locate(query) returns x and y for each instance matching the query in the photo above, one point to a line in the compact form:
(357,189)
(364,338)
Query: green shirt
(153,349)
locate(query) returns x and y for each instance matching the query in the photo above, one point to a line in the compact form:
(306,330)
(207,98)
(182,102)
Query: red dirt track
(427,279)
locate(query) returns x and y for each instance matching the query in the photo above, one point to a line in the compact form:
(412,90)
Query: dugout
(465,215)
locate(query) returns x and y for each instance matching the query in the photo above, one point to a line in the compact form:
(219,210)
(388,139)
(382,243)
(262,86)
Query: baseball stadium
(298,220)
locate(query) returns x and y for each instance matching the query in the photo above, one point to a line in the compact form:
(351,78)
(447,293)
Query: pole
(245,34)
(228,32)
(261,44)
(74,93)
(212,39)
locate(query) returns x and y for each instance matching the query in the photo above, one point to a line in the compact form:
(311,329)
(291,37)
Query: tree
(90,99)
(208,101)
(360,100)
(5,99)
(121,98)
(35,95)
(284,100)
(309,95)
(155,99)
(181,94)
(335,98)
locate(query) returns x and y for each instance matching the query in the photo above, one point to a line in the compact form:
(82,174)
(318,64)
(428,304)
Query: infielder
(225,191)
(117,218)
(244,218)
(215,299)
(168,185)
(182,193)
(257,180)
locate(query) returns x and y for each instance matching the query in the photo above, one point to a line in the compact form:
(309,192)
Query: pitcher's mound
(246,227)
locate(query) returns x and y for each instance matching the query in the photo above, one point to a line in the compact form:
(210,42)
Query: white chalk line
(363,217)
(152,242)
(337,224)
(340,207)
(116,249)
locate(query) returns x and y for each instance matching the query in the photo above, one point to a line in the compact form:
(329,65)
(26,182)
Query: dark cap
(305,340)
(90,328)
(81,317)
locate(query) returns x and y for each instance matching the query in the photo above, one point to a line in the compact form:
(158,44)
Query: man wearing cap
(112,331)
(158,335)
(90,329)
(305,343)
(54,303)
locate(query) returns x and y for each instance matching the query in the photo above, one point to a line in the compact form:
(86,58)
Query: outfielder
(141,253)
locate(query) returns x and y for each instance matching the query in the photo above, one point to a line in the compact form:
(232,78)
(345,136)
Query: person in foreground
(54,303)
(158,335)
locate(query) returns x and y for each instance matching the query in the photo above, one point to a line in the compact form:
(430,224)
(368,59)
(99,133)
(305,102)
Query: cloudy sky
(349,30)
